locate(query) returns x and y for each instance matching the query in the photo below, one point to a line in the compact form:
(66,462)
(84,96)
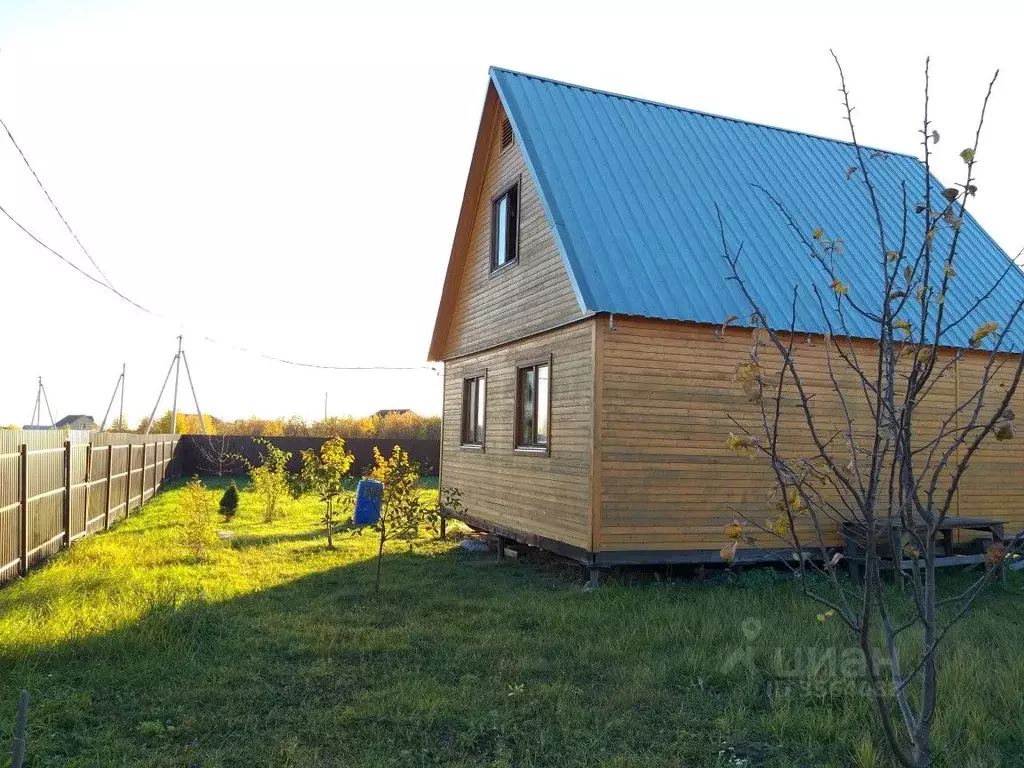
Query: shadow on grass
(460,661)
(242,541)
(313,672)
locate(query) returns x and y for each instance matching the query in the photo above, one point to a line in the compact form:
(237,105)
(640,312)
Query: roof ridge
(665,105)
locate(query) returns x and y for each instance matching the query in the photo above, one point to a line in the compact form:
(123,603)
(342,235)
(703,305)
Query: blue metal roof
(631,187)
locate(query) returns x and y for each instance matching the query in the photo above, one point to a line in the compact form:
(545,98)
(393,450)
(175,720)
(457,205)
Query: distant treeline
(389,425)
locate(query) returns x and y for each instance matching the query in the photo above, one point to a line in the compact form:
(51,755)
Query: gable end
(480,306)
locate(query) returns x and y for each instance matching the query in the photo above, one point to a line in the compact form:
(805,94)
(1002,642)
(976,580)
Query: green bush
(196,511)
(229,502)
(269,481)
(402,512)
(323,474)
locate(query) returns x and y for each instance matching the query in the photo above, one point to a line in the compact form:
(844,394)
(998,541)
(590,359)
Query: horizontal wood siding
(668,481)
(520,299)
(540,495)
(991,486)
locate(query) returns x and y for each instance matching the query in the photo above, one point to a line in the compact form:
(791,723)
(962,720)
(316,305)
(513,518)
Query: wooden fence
(56,487)
(223,454)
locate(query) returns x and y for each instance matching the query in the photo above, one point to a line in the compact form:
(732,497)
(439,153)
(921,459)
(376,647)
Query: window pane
(542,404)
(480,396)
(513,224)
(526,397)
(474,390)
(472,431)
(501,222)
(467,410)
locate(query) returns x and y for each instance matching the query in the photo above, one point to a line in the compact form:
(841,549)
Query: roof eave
(470,200)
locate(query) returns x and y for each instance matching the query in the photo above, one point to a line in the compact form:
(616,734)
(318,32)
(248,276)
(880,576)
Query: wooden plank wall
(56,487)
(991,487)
(668,481)
(541,495)
(531,296)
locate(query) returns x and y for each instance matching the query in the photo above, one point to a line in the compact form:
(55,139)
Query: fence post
(67,493)
(88,486)
(142,476)
(128,486)
(23,537)
(106,495)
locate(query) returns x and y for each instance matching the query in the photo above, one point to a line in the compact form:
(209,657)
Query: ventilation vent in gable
(507,137)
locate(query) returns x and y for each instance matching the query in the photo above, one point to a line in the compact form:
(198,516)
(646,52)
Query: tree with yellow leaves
(875,466)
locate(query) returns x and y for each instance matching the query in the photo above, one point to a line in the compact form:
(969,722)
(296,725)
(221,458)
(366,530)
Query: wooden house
(588,384)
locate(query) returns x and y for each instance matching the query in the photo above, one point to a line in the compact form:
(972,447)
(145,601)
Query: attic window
(507,137)
(505,228)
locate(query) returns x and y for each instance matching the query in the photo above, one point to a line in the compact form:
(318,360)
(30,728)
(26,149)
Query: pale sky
(287,176)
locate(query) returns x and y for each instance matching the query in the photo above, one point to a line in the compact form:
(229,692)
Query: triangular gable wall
(480,309)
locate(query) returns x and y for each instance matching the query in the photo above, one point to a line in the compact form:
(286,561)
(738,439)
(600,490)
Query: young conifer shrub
(229,502)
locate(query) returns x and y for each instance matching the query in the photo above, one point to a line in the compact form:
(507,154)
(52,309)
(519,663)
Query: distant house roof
(389,411)
(630,187)
(76,418)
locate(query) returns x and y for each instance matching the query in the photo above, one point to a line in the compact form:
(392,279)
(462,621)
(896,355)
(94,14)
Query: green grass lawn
(276,652)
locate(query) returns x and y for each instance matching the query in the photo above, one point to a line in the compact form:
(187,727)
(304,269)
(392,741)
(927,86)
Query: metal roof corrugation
(631,188)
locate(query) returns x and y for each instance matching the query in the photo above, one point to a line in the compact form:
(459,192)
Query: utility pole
(175,367)
(46,401)
(106,414)
(120,417)
(192,386)
(36,413)
(37,410)
(174,405)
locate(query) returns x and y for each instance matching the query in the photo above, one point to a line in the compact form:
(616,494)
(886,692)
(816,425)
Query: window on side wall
(533,406)
(473,410)
(505,228)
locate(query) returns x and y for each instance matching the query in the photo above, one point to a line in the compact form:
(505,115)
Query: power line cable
(61,215)
(107,284)
(74,266)
(212,340)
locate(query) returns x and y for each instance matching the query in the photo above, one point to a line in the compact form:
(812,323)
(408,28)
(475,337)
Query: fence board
(56,487)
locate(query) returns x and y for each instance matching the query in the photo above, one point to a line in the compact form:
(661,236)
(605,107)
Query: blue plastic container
(369,494)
